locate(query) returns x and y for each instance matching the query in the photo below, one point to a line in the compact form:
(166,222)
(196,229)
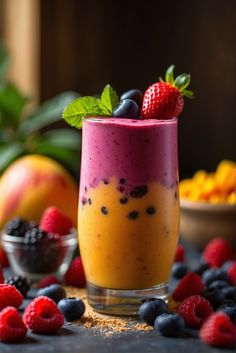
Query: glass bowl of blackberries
(33,252)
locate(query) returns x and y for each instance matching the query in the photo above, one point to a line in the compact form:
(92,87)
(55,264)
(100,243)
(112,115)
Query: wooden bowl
(201,221)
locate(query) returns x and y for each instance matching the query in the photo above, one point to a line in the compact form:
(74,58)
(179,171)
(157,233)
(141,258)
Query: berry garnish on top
(162,100)
(134,94)
(165,99)
(127,108)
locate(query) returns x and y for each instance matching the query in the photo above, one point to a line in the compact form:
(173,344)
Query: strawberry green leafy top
(181,82)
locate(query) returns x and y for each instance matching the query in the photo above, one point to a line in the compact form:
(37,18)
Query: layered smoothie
(129,204)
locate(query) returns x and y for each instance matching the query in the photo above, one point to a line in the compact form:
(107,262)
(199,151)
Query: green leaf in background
(48,113)
(66,138)
(68,157)
(12,103)
(109,98)
(4,61)
(8,153)
(81,108)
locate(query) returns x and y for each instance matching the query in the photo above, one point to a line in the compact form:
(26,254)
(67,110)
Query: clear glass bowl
(36,261)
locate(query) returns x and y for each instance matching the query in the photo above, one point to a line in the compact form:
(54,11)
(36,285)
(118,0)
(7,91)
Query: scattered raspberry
(217,252)
(43,316)
(10,296)
(3,258)
(55,221)
(75,275)
(218,331)
(195,310)
(232,273)
(1,275)
(189,285)
(12,328)
(48,280)
(180,253)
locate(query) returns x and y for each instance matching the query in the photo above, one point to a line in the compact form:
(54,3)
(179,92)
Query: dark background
(86,44)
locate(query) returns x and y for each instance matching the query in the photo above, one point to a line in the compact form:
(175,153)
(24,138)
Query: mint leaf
(81,108)
(109,98)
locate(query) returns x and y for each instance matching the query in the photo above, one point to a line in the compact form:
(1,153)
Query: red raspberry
(10,296)
(218,331)
(3,258)
(55,221)
(180,253)
(48,280)
(217,252)
(12,328)
(43,316)
(189,285)
(232,273)
(195,310)
(75,275)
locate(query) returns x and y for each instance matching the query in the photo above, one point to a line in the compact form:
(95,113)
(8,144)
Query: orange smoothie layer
(128,243)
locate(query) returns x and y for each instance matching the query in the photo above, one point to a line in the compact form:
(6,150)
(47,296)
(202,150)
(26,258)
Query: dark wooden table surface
(78,339)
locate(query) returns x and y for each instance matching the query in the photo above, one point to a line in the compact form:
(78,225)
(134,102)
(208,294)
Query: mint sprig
(86,106)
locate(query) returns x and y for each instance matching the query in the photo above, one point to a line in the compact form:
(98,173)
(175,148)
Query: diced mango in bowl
(216,188)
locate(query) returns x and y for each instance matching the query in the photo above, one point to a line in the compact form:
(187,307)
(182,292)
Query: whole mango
(31,184)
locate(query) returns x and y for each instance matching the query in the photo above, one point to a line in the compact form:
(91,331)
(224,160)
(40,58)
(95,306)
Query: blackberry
(21,283)
(35,236)
(42,252)
(16,227)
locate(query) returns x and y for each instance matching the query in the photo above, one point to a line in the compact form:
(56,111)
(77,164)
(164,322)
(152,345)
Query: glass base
(123,301)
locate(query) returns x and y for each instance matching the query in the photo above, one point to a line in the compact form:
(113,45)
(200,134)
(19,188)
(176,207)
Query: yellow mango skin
(120,253)
(31,184)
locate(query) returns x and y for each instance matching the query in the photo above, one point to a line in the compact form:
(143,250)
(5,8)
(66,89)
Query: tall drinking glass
(128,210)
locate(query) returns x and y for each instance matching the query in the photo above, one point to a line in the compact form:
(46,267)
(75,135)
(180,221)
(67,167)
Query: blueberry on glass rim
(134,94)
(127,108)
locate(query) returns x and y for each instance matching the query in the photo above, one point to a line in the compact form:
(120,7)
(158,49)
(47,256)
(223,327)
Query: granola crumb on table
(104,324)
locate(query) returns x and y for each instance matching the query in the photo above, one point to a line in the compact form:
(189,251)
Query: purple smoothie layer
(137,151)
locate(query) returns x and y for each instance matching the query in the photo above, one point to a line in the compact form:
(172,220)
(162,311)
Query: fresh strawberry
(165,100)
(190,284)
(180,253)
(218,331)
(75,275)
(231,272)
(55,221)
(217,251)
